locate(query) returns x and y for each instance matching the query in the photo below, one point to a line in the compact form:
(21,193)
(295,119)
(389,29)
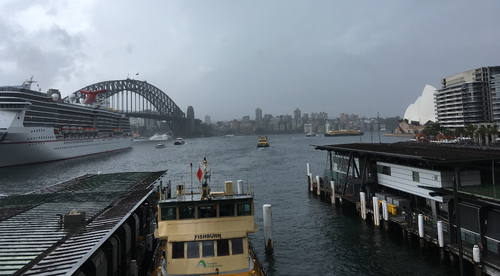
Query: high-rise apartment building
(467,98)
(495,97)
(258,115)
(297,114)
(207,120)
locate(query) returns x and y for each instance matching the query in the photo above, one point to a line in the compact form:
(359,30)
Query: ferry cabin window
(177,250)
(168,213)
(223,248)
(237,246)
(193,250)
(207,211)
(416,176)
(186,211)
(207,249)
(226,210)
(244,209)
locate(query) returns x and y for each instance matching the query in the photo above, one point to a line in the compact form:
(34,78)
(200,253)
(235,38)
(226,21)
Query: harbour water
(311,236)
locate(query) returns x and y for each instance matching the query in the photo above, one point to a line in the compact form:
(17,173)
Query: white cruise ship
(39,127)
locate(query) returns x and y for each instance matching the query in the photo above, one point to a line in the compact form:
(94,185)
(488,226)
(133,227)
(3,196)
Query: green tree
(470,130)
(448,132)
(492,132)
(433,130)
(459,132)
(480,132)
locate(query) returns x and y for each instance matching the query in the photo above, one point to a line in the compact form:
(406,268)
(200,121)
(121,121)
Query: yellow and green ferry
(206,232)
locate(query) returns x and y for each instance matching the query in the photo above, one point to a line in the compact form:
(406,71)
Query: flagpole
(191,181)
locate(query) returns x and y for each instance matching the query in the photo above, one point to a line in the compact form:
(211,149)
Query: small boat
(353,132)
(179,141)
(310,134)
(263,142)
(158,137)
(160,146)
(205,232)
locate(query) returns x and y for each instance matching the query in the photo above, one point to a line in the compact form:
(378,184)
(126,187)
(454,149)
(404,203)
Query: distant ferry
(263,142)
(353,132)
(39,127)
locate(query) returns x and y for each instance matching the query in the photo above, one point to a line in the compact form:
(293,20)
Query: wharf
(420,187)
(95,224)
(490,261)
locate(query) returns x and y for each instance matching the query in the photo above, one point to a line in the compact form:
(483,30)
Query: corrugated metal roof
(32,240)
(438,153)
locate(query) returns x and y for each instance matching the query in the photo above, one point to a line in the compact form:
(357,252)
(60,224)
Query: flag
(199,174)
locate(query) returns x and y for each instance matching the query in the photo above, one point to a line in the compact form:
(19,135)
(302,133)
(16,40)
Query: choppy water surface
(311,236)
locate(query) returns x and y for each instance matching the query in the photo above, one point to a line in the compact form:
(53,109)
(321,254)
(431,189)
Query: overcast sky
(227,58)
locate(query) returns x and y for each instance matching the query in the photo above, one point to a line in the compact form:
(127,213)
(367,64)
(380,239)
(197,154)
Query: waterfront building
(466,98)
(308,128)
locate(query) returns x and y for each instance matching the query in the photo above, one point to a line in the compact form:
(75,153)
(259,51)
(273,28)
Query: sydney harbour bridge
(137,99)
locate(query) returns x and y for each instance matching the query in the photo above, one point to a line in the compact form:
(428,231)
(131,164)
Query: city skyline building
(468,98)
(258,115)
(207,119)
(297,114)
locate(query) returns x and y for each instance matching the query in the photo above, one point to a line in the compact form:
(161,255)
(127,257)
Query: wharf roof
(33,240)
(427,152)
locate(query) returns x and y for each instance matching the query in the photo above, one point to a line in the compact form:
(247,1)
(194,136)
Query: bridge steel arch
(165,107)
(160,101)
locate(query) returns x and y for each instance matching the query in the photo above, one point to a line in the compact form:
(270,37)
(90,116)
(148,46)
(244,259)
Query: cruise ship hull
(39,127)
(25,148)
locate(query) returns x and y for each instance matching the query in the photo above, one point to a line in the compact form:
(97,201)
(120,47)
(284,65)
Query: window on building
(244,209)
(168,213)
(177,250)
(193,250)
(186,212)
(226,210)
(237,246)
(416,176)
(207,211)
(223,248)
(384,170)
(208,249)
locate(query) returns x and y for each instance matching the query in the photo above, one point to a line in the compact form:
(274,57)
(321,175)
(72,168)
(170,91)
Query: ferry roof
(34,242)
(427,152)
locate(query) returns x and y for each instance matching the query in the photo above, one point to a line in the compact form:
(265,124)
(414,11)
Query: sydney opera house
(420,113)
